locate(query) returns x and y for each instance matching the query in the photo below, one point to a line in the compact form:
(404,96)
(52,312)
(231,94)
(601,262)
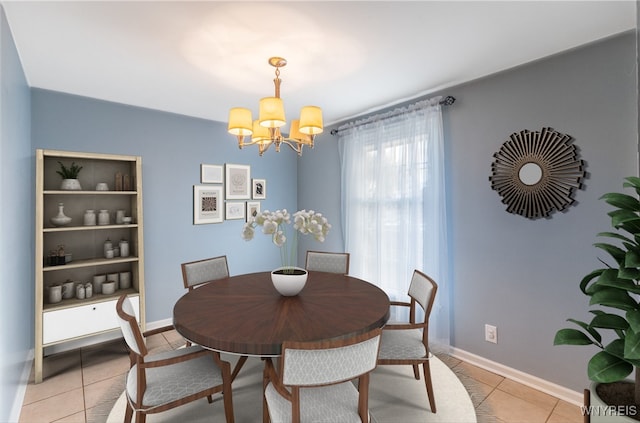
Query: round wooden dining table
(245,315)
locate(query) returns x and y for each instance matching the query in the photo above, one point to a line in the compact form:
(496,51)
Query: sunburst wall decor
(537,172)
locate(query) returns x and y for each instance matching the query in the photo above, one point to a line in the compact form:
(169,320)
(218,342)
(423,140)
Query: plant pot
(289,284)
(70,185)
(601,412)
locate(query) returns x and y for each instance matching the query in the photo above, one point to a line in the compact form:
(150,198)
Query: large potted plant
(615,327)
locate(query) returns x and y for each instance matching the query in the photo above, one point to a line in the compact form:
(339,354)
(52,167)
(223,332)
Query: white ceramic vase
(288,284)
(70,185)
(60,219)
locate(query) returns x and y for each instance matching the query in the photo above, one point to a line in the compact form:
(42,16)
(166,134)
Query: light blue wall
(172,148)
(16,222)
(517,274)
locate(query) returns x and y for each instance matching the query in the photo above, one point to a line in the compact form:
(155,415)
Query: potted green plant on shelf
(613,292)
(69,176)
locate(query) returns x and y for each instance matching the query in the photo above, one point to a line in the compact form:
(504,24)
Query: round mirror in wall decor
(537,172)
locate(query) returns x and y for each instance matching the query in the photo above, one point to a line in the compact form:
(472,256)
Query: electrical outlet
(491,334)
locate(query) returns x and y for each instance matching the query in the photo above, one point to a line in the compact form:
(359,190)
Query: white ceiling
(201,58)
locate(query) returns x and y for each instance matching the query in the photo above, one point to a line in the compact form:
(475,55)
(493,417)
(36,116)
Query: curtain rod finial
(448,100)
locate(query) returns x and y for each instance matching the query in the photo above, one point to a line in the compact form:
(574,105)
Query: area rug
(394,396)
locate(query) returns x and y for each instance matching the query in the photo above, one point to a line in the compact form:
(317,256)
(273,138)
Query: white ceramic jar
(108,246)
(89,218)
(124,248)
(103,217)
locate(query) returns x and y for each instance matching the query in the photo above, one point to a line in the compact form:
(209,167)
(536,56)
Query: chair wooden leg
(128,414)
(227,397)
(210,399)
(427,380)
(140,417)
(416,372)
(238,366)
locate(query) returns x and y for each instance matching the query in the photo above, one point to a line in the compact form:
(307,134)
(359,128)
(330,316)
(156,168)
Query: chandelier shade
(311,120)
(265,130)
(272,112)
(240,121)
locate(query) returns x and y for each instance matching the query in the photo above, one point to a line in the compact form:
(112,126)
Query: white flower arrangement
(275,224)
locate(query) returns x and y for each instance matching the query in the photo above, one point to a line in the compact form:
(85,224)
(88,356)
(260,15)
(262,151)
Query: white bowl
(127,219)
(289,285)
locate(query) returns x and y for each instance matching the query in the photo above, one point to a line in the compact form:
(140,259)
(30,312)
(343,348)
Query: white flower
(247,232)
(279,239)
(274,224)
(269,227)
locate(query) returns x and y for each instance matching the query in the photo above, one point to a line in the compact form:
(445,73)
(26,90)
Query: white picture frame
(237,181)
(207,204)
(259,189)
(211,174)
(253,208)
(234,210)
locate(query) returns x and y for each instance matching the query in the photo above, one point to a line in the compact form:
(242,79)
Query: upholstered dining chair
(408,343)
(158,382)
(328,262)
(313,380)
(196,273)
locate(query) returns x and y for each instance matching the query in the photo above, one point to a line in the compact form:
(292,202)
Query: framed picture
(238,182)
(253,208)
(259,189)
(207,204)
(234,210)
(211,174)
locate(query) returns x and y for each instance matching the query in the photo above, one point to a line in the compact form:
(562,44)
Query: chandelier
(266,129)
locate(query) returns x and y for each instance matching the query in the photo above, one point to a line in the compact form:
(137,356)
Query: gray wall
(517,274)
(523,275)
(16,222)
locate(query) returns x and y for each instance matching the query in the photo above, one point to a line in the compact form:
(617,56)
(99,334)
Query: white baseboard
(531,381)
(159,324)
(18,400)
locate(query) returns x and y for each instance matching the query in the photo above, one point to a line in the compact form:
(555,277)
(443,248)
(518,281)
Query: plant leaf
(614,251)
(632,346)
(621,201)
(633,317)
(622,284)
(615,235)
(571,337)
(620,216)
(609,321)
(613,297)
(591,330)
(585,282)
(632,181)
(605,368)
(629,273)
(632,257)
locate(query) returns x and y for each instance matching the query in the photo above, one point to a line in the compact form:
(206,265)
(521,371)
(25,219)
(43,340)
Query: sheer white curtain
(393,203)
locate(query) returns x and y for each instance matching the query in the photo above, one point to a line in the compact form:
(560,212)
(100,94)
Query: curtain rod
(447,101)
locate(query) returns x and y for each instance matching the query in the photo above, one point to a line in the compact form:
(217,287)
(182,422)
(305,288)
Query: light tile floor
(81,385)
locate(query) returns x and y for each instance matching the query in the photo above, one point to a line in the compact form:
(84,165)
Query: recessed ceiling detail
(537,172)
